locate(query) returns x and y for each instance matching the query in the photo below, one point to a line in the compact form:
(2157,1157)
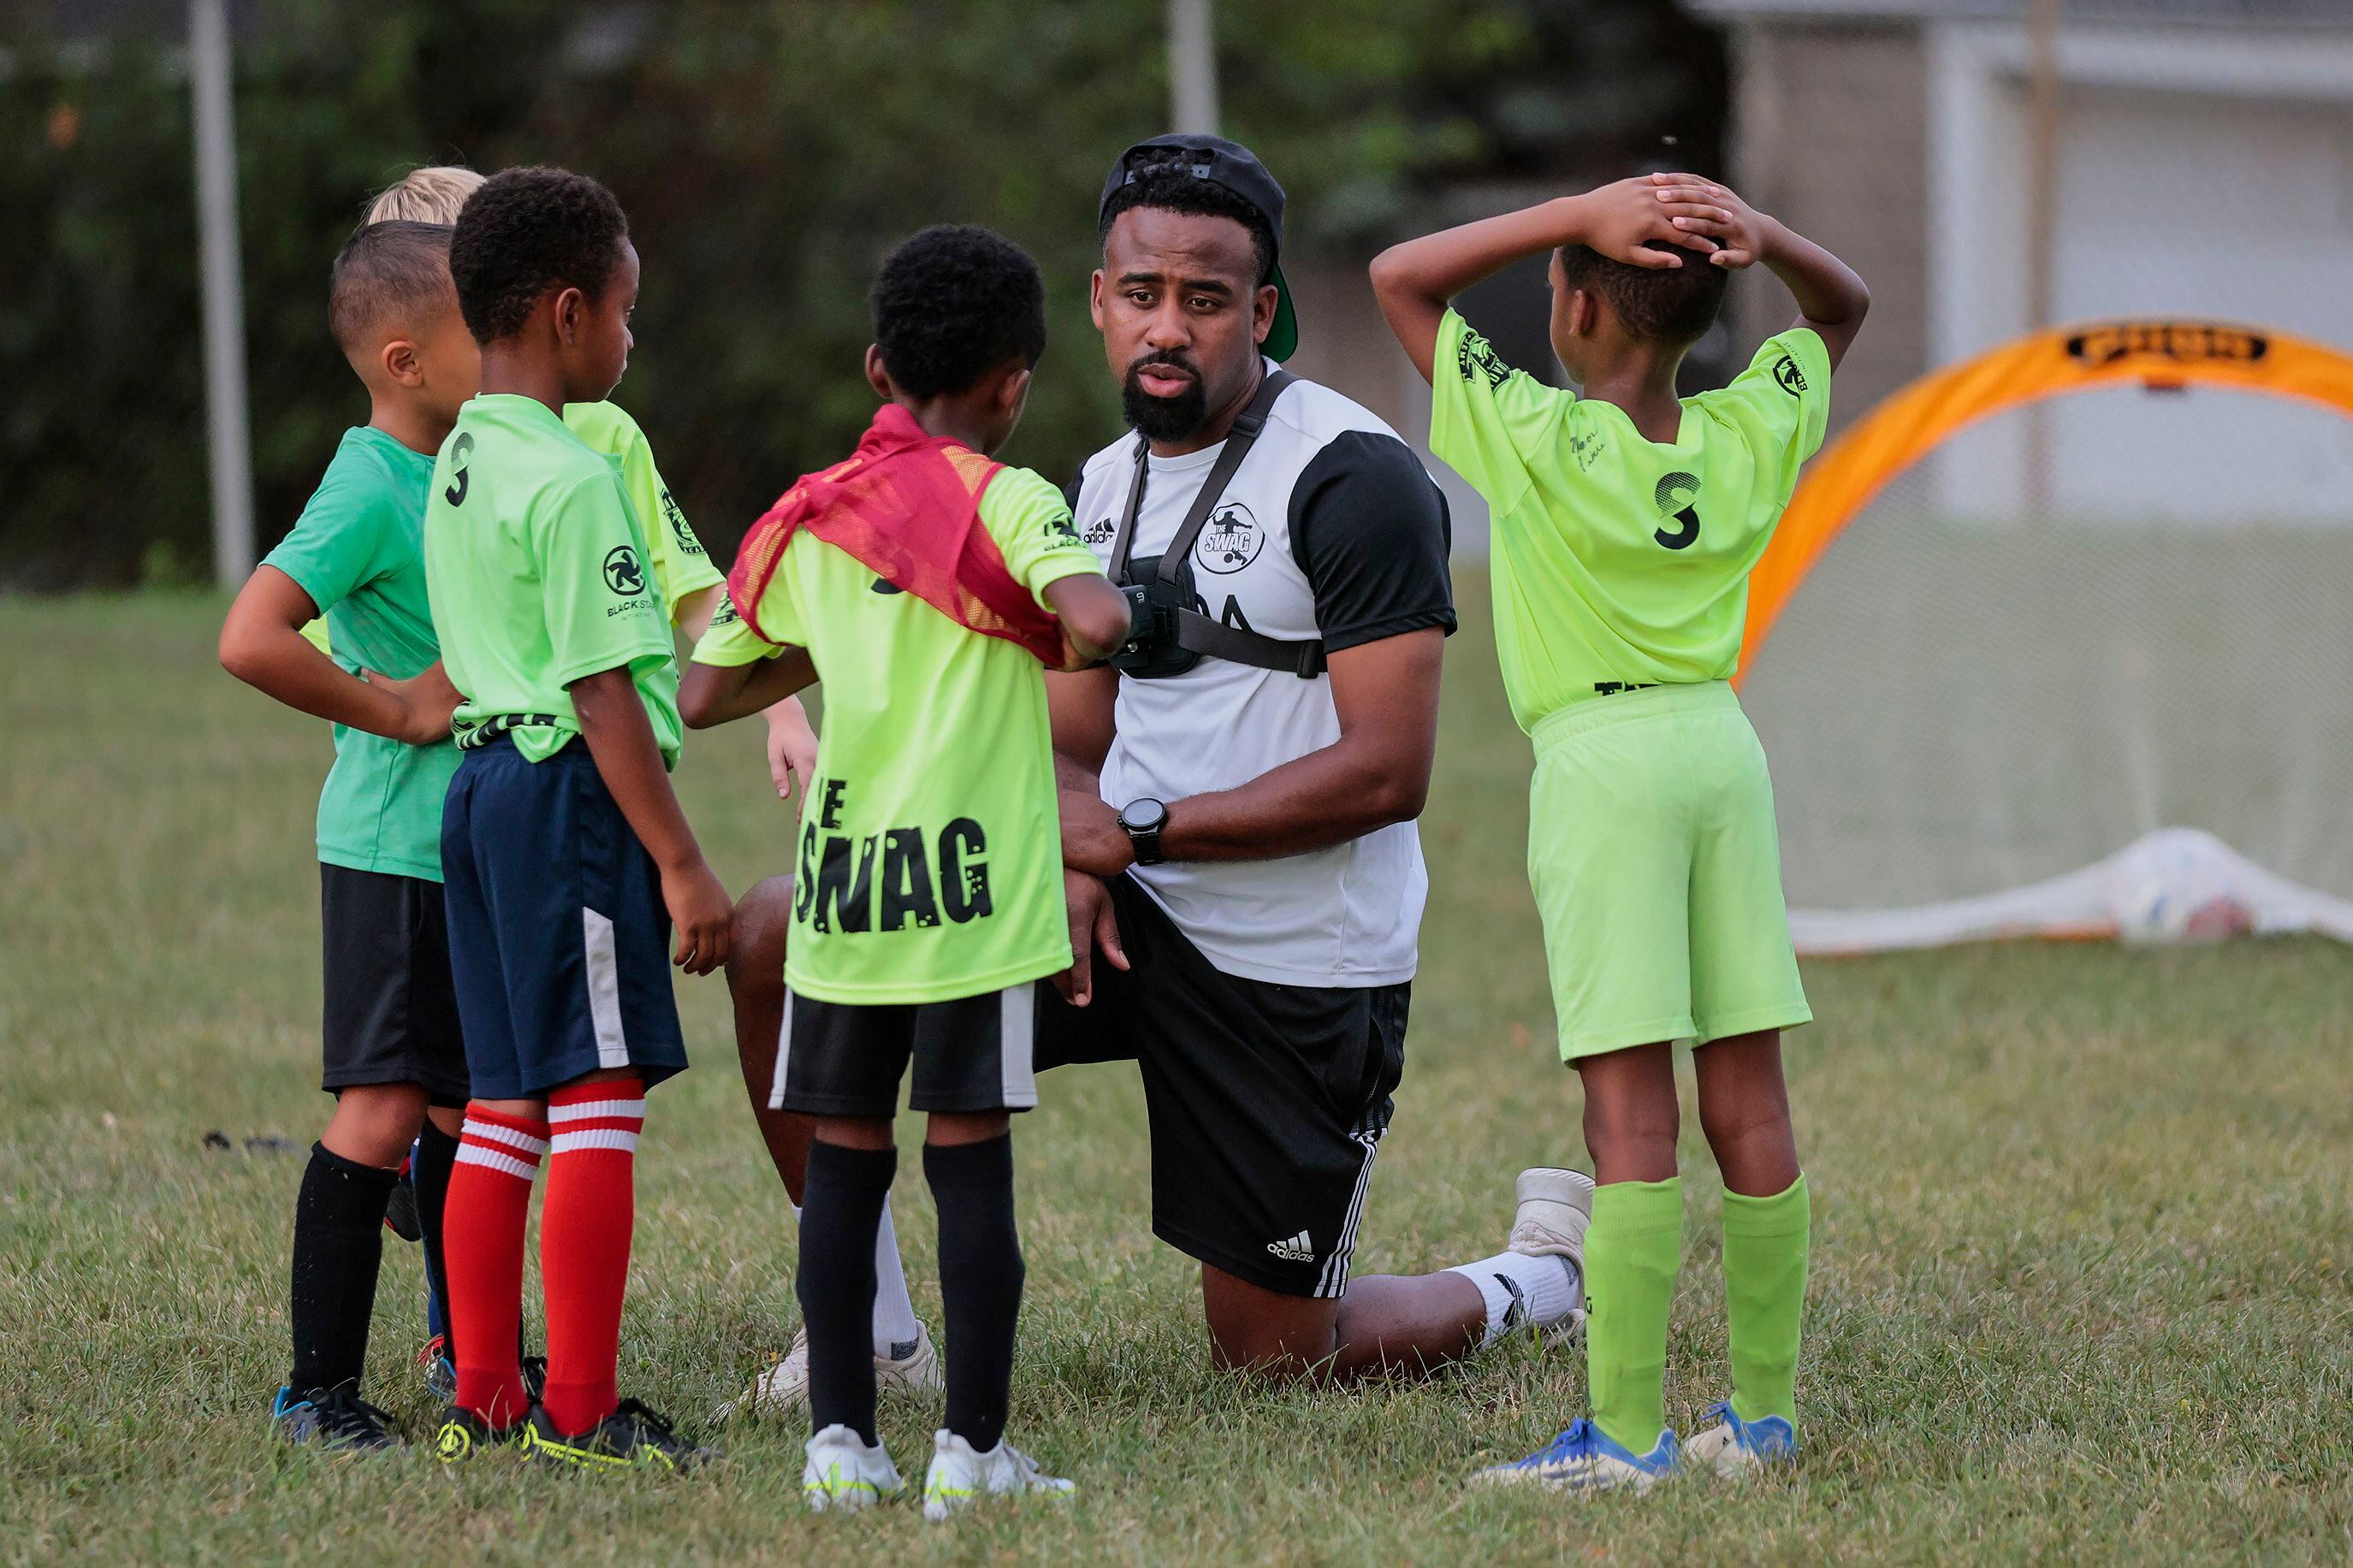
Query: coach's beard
(1164,418)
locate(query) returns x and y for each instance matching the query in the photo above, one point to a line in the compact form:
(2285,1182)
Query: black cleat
(632,1435)
(334,1418)
(462,1434)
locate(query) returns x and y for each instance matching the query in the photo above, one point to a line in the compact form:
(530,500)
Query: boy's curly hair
(527,231)
(952,303)
(1666,304)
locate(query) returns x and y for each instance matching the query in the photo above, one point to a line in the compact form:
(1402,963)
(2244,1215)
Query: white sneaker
(1555,1209)
(844,1474)
(784,1387)
(958,1475)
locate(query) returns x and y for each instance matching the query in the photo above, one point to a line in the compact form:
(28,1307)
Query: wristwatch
(1142,820)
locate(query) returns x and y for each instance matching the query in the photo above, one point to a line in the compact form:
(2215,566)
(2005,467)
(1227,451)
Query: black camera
(1151,651)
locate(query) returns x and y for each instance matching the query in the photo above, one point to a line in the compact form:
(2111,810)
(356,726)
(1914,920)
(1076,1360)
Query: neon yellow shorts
(1657,868)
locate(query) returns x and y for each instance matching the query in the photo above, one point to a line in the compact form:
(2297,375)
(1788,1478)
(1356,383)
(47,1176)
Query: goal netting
(2086,667)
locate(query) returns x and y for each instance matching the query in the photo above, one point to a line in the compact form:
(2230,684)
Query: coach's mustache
(1167,359)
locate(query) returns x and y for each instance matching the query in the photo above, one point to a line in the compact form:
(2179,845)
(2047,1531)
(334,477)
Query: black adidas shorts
(840,1058)
(1266,1101)
(391,1013)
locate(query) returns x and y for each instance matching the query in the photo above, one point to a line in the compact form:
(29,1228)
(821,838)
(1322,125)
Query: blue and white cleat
(1732,1447)
(1584,1461)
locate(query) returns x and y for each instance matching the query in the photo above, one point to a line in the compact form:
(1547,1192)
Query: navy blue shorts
(559,941)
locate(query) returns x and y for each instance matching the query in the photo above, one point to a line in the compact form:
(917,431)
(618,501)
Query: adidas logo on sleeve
(1298,1249)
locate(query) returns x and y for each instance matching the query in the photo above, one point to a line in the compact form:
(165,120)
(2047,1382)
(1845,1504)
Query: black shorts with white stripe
(1266,1101)
(840,1059)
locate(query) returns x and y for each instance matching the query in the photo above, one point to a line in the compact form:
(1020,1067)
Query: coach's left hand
(1092,839)
(1094,929)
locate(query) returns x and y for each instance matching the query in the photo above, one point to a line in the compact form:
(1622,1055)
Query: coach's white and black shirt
(1330,529)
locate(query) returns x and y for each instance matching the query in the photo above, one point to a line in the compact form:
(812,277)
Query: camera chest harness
(1194,632)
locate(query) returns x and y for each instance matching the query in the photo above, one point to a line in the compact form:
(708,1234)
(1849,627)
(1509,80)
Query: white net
(2036,648)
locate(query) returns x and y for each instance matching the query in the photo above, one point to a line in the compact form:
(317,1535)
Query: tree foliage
(767,155)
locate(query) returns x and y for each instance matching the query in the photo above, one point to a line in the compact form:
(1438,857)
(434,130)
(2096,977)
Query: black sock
(841,1203)
(338,1242)
(980,1281)
(428,1169)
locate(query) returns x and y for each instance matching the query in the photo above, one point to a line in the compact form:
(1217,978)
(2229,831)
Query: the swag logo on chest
(891,880)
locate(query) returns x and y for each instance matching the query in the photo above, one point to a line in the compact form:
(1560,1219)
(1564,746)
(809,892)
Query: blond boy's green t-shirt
(929,864)
(1617,562)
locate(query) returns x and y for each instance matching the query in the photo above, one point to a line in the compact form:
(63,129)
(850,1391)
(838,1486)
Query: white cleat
(959,1476)
(784,1387)
(844,1475)
(1555,1209)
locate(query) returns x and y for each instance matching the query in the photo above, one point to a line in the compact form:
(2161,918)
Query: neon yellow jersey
(536,567)
(1617,562)
(679,563)
(930,863)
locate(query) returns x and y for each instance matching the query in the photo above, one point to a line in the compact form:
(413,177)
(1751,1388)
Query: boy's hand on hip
(702,913)
(1701,207)
(1622,221)
(427,702)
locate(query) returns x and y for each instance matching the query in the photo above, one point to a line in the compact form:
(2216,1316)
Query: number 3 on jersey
(460,450)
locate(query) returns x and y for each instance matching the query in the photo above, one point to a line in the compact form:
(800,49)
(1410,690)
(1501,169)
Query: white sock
(1549,1289)
(894,1312)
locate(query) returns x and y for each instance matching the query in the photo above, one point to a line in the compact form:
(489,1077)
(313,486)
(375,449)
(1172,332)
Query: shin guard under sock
(338,1247)
(490,1200)
(585,1232)
(1765,1241)
(980,1281)
(1631,1255)
(841,1203)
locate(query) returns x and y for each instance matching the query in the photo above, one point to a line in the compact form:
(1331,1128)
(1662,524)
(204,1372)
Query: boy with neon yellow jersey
(567,860)
(435,193)
(925,584)
(1625,522)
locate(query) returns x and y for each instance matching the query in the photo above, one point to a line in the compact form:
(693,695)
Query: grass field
(2080,1283)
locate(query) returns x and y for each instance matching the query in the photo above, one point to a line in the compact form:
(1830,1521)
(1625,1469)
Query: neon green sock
(1631,1254)
(1764,1246)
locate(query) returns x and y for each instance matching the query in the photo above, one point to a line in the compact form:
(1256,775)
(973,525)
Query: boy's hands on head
(427,701)
(1629,220)
(1703,206)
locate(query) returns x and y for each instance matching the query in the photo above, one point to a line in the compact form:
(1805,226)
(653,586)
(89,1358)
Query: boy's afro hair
(527,231)
(388,274)
(1665,304)
(1171,189)
(952,303)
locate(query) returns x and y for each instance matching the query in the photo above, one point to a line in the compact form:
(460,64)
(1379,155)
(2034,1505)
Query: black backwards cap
(1232,167)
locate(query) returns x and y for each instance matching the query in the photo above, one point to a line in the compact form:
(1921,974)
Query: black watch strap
(1145,841)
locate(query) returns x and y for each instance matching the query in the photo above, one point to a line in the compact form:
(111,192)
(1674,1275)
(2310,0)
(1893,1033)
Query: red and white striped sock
(483,1244)
(584,1245)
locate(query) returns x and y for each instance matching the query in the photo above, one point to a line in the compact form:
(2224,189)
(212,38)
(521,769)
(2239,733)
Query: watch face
(1143,816)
